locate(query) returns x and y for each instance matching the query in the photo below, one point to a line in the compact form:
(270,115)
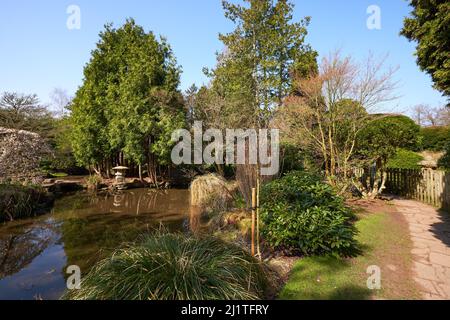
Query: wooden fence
(427,185)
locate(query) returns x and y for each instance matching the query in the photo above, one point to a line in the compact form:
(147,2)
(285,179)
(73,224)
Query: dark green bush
(174,267)
(405,159)
(380,139)
(444,162)
(17,201)
(293,157)
(434,138)
(303,215)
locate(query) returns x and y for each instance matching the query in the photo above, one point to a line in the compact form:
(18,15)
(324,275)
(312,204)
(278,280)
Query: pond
(80,230)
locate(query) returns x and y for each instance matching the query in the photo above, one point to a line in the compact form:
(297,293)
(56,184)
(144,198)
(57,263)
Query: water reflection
(20,245)
(81,230)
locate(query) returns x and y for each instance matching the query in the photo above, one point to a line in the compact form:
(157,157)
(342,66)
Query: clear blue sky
(38,52)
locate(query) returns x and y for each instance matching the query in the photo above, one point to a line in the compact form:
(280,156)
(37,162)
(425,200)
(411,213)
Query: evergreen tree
(430,27)
(129,103)
(262,54)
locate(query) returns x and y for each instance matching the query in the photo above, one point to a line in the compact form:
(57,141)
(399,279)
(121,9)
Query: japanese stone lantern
(120,173)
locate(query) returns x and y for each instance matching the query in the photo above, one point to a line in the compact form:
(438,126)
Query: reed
(18,201)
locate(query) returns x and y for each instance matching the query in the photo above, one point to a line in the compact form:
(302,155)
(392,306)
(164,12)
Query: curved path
(430,234)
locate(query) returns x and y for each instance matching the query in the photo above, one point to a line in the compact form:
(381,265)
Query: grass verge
(385,243)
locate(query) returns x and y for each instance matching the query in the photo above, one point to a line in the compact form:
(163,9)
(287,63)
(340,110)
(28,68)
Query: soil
(371,206)
(280,267)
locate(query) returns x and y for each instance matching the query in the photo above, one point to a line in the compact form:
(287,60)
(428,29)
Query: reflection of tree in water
(160,203)
(113,219)
(19,248)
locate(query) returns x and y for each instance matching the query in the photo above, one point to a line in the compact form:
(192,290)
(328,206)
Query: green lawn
(385,242)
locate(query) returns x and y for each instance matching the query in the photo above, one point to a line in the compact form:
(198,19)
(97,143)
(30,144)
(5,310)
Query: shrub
(17,201)
(293,158)
(444,162)
(303,215)
(405,159)
(94,181)
(381,138)
(174,267)
(434,138)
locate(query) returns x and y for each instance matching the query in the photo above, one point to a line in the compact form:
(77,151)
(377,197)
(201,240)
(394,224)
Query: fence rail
(426,185)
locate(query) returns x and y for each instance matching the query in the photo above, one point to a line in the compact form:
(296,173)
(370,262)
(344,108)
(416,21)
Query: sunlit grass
(325,278)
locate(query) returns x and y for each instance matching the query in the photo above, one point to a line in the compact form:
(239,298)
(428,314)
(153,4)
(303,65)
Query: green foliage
(377,143)
(381,138)
(293,158)
(62,158)
(263,51)
(18,202)
(405,159)
(434,138)
(430,27)
(129,100)
(303,215)
(93,181)
(174,267)
(444,162)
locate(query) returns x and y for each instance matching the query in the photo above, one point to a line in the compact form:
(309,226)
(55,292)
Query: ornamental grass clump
(18,201)
(303,215)
(168,266)
(212,193)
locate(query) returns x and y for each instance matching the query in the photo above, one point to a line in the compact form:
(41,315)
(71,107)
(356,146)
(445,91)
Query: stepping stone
(427,285)
(440,259)
(424,271)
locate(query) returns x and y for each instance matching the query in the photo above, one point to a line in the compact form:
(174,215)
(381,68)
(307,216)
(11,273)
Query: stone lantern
(120,173)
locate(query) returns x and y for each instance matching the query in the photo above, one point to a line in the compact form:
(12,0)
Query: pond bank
(18,202)
(77,183)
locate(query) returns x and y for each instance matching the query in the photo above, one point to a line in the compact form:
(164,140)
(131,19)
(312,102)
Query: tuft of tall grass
(167,266)
(18,201)
(93,181)
(212,193)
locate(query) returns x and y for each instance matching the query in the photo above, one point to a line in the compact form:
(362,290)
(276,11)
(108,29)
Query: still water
(81,229)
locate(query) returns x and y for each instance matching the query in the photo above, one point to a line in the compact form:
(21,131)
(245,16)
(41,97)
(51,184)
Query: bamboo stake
(253,219)
(258,187)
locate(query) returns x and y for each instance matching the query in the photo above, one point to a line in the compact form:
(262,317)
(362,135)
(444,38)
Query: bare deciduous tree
(426,115)
(332,107)
(60,100)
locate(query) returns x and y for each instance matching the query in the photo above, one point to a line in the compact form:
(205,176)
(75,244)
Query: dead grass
(212,193)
